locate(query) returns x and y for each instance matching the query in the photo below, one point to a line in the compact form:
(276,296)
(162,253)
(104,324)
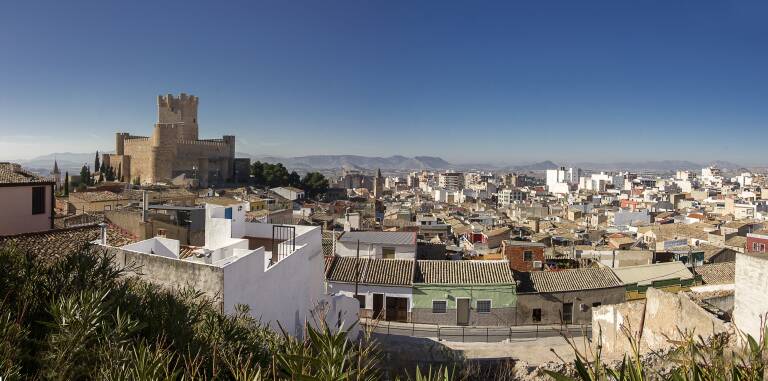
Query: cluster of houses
(402,254)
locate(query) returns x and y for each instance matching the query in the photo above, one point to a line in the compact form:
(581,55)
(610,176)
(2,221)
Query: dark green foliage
(78,317)
(66,183)
(96,165)
(85,176)
(314,184)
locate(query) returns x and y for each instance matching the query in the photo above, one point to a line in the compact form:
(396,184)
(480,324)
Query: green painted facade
(501,295)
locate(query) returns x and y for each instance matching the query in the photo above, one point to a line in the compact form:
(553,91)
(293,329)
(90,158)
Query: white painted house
(289,193)
(383,287)
(377,244)
(277,270)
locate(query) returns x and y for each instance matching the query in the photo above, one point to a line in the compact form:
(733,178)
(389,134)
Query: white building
(277,270)
(750,304)
(509,196)
(383,287)
(377,244)
(289,193)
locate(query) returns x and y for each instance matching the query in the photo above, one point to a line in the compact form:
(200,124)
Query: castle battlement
(175,103)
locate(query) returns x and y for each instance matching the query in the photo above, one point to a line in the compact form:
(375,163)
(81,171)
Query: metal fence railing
(476,334)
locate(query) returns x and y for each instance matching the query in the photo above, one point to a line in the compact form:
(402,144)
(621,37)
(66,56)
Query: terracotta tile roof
(11,173)
(96,196)
(463,272)
(717,273)
(569,280)
(388,272)
(59,242)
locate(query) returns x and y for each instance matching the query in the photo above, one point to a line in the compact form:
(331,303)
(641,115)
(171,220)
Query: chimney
(144,205)
(103,234)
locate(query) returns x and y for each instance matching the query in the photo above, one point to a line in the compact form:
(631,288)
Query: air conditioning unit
(537,265)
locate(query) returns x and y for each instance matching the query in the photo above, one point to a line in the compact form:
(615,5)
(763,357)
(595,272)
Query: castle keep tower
(174,150)
(179,110)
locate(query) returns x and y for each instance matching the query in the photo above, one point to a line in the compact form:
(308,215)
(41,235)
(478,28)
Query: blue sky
(470,81)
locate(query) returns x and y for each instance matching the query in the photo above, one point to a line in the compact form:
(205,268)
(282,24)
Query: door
(462,311)
(378,305)
(397,309)
(567,313)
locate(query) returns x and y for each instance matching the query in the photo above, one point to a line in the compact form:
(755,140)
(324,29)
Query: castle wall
(138,149)
(174,148)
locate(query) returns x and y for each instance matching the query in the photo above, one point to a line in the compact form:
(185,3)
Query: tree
(101,177)
(96,165)
(275,175)
(120,172)
(314,184)
(85,176)
(294,179)
(66,183)
(257,171)
(110,174)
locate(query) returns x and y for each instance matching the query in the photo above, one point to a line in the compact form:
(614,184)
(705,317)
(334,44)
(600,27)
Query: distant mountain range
(72,162)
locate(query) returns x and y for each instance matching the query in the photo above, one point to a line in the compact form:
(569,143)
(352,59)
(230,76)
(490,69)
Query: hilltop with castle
(174,149)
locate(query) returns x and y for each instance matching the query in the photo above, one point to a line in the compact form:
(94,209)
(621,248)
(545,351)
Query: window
(484,306)
(537,315)
(361,299)
(107,207)
(596,304)
(388,252)
(38,200)
(439,306)
(528,255)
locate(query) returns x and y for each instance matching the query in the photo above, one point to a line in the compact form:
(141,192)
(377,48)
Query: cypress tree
(66,183)
(96,165)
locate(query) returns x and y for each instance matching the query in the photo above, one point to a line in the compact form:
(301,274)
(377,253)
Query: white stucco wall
(751,303)
(368,290)
(349,249)
(16,211)
(284,292)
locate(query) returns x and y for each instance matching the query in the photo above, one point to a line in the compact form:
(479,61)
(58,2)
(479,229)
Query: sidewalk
(474,333)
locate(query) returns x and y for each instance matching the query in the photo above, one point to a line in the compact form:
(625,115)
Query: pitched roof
(570,280)
(645,275)
(387,272)
(96,196)
(463,272)
(11,173)
(60,242)
(717,273)
(388,238)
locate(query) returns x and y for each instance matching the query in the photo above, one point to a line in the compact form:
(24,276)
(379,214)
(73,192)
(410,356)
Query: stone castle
(174,148)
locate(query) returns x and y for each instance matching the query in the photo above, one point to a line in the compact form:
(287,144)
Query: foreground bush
(77,317)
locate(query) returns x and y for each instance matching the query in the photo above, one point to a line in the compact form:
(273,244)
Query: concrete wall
(551,305)
(16,210)
(652,322)
(173,273)
(751,303)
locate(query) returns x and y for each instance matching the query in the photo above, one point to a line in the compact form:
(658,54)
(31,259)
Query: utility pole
(357,268)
